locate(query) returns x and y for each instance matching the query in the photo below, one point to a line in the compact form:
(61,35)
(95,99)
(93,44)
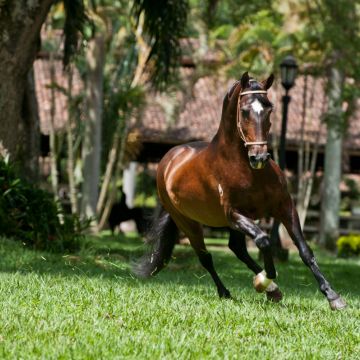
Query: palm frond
(75,19)
(165,23)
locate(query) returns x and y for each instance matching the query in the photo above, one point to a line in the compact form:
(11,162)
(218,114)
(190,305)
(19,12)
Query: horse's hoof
(261,282)
(224,294)
(274,296)
(337,304)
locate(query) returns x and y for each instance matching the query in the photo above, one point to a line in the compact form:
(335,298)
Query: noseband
(241,133)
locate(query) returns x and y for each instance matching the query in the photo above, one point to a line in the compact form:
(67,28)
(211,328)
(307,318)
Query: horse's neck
(227,141)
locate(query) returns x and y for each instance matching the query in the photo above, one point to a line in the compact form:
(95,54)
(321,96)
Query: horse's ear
(245,80)
(268,82)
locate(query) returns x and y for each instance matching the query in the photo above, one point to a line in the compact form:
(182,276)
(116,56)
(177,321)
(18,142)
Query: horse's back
(185,150)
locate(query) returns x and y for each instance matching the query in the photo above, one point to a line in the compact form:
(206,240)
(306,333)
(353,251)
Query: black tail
(161,238)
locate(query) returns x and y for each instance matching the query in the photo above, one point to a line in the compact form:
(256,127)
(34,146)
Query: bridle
(241,133)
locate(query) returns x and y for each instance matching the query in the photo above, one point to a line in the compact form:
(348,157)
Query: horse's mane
(232,89)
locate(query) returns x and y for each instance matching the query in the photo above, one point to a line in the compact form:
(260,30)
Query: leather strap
(253,92)
(241,133)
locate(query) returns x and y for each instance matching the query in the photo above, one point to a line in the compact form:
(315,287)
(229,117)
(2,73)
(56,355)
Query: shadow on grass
(110,258)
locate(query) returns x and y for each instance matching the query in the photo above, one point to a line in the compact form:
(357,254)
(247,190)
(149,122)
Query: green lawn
(89,306)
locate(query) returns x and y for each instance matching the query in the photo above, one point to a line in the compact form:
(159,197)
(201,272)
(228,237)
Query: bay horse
(230,182)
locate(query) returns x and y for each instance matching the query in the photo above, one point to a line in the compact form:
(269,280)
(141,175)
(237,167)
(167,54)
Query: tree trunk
(70,147)
(307,158)
(11,100)
(329,229)
(112,157)
(20,24)
(116,154)
(32,130)
(119,167)
(54,176)
(301,172)
(91,150)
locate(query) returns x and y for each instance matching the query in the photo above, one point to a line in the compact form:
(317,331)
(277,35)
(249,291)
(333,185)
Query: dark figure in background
(120,212)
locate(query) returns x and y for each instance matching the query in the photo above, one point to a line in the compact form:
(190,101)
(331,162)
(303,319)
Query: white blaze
(257,107)
(221,192)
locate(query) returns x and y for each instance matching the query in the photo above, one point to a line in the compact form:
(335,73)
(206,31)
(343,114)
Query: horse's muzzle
(259,161)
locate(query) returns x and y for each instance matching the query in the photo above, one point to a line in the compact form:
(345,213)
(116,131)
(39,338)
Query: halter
(241,133)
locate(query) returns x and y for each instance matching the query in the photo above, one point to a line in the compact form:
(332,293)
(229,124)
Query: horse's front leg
(290,219)
(263,280)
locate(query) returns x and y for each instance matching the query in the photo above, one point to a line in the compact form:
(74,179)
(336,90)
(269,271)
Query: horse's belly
(207,212)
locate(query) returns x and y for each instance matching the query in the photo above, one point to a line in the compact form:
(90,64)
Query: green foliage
(88,306)
(229,12)
(146,194)
(351,197)
(252,37)
(165,23)
(75,19)
(259,43)
(332,28)
(348,245)
(32,216)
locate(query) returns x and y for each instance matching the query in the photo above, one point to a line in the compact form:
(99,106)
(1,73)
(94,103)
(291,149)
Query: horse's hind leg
(194,232)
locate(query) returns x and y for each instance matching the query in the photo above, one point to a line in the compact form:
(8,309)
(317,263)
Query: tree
(334,35)
(324,33)
(134,49)
(21,22)
(91,143)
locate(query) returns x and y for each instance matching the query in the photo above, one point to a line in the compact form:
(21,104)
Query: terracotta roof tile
(194,114)
(201,113)
(43,92)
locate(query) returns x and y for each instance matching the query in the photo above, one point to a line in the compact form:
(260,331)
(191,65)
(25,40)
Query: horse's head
(253,118)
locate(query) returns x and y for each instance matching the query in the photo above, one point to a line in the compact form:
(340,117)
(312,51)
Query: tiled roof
(42,71)
(194,113)
(200,113)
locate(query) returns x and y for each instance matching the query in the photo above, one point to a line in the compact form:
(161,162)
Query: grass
(89,306)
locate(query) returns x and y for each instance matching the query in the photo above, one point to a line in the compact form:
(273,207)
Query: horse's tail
(161,239)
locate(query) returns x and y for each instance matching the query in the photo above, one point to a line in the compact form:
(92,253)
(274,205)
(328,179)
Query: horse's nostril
(252,158)
(268,156)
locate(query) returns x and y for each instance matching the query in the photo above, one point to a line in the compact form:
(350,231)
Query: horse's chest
(252,203)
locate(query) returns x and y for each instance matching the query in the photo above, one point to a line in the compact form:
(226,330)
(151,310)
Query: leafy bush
(348,245)
(32,216)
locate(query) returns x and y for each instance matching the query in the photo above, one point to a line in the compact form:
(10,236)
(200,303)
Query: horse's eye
(245,112)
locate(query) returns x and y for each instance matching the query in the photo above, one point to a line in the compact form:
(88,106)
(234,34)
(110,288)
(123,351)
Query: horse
(230,181)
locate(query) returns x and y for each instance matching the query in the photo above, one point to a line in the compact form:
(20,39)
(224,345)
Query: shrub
(32,216)
(348,245)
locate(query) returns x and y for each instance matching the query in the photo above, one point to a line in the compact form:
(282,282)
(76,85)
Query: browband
(253,92)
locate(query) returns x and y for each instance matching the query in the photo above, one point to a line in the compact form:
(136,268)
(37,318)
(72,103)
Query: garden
(146,135)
